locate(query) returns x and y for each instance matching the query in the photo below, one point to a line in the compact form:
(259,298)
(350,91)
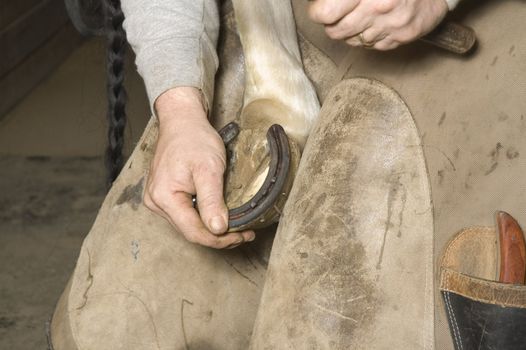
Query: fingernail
(250,237)
(217,224)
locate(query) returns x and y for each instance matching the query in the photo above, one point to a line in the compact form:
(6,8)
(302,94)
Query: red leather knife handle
(512,250)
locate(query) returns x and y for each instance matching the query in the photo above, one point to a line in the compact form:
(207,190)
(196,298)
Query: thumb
(212,207)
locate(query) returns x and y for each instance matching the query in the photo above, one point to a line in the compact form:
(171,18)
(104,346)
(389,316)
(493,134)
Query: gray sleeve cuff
(175,44)
(163,67)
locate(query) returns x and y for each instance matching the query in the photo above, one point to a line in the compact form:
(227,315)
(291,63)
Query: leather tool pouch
(482,313)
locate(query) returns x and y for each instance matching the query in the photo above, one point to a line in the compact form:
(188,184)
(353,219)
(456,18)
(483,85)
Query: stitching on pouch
(448,281)
(449,311)
(454,319)
(452,316)
(460,235)
(447,275)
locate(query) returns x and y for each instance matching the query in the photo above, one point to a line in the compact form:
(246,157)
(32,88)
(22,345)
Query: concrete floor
(52,184)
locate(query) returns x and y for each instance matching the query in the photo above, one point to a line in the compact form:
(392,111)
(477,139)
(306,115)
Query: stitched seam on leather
(454,318)
(448,308)
(485,283)
(481,300)
(458,236)
(506,300)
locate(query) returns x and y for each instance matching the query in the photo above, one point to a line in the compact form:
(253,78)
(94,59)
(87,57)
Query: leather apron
(470,112)
(140,285)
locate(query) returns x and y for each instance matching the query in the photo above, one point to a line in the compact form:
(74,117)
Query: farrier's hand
(379,24)
(190,159)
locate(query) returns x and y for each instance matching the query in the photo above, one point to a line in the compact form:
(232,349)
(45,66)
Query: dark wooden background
(35,37)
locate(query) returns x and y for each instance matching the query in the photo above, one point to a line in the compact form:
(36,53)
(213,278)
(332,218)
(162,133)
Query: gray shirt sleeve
(175,43)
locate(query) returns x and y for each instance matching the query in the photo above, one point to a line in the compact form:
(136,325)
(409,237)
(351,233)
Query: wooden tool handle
(512,250)
(452,37)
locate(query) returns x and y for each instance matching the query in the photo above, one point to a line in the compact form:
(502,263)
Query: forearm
(175,44)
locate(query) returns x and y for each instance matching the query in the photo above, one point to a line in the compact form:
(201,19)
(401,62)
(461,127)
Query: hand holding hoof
(190,160)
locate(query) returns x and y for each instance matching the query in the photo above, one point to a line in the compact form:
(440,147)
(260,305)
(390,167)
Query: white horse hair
(277,90)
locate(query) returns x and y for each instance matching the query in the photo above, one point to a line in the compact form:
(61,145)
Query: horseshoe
(264,208)
(261,209)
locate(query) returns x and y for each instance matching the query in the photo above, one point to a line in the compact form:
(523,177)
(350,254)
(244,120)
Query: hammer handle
(452,37)
(512,250)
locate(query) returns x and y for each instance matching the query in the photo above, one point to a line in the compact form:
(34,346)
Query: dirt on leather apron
(139,285)
(470,112)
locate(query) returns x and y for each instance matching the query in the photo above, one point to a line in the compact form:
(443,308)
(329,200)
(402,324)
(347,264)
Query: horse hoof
(260,171)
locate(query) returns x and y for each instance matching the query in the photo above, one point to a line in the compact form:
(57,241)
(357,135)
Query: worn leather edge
(454,280)
(490,292)
(447,259)
(60,324)
(48,334)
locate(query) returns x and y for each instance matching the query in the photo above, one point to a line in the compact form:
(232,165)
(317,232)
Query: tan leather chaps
(427,144)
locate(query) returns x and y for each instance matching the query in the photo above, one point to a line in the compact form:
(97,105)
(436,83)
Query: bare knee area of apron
(352,258)
(139,284)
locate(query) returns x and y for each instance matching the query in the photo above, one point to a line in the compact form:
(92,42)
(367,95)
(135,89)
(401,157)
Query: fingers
(351,25)
(179,212)
(330,11)
(186,219)
(209,187)
(378,24)
(370,37)
(386,44)
(248,236)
